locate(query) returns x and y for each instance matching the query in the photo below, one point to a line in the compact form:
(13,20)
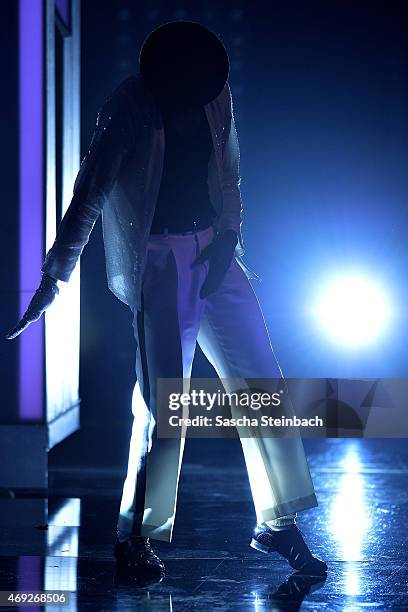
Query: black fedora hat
(184,64)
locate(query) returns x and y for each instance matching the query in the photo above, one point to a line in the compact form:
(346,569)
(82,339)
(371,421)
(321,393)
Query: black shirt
(183,196)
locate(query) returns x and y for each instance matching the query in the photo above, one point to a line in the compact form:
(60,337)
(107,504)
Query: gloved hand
(41,300)
(219,253)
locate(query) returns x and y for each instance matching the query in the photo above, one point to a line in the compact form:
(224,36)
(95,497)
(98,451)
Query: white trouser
(231,331)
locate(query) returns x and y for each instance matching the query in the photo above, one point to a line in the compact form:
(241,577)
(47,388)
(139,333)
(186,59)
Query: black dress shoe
(290,544)
(136,557)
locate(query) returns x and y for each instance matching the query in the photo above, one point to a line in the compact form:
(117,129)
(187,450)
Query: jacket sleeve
(95,179)
(231,217)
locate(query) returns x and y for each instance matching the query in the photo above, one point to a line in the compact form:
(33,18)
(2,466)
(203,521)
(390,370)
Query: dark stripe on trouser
(140,489)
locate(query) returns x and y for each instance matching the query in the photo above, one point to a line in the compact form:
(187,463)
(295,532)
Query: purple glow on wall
(29,576)
(63,7)
(31,343)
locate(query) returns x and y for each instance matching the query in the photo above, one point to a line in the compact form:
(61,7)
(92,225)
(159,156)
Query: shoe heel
(261,547)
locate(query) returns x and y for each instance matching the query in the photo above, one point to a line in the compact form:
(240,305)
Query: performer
(163,168)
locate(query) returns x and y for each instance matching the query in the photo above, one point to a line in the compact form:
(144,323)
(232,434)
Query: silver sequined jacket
(120,177)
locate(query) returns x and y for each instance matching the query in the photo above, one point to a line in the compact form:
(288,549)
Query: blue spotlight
(353,310)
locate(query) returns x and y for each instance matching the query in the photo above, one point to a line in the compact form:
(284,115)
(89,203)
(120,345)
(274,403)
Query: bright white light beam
(353,310)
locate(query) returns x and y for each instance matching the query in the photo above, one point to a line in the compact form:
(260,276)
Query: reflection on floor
(360,529)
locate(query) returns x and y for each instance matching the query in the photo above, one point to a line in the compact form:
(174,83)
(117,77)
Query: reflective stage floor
(65,542)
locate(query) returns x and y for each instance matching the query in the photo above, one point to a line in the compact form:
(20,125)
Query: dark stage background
(320,91)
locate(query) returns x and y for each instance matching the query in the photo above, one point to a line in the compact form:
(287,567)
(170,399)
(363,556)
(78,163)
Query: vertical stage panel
(10,214)
(63,160)
(31,184)
(43,362)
